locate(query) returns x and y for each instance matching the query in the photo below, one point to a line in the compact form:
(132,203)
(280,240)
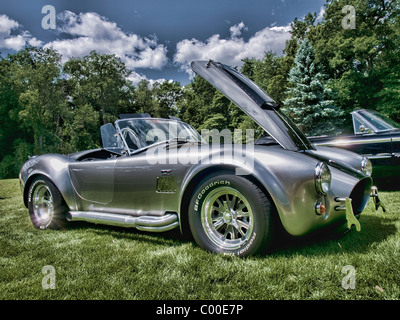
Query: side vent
(166,184)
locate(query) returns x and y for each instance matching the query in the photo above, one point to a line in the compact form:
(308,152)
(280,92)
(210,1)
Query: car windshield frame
(138,134)
(375,121)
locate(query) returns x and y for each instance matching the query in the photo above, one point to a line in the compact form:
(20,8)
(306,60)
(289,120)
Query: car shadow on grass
(172,237)
(374,230)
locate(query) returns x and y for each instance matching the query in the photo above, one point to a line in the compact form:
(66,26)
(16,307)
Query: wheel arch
(61,188)
(28,184)
(205,173)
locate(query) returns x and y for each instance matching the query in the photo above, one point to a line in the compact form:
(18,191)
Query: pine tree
(309,103)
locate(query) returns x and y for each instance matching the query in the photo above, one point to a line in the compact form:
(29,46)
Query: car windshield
(141,133)
(380,122)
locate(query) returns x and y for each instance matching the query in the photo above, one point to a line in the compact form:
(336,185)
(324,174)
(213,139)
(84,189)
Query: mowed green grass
(98,262)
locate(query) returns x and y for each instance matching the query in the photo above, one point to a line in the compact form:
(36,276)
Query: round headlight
(322,178)
(366,166)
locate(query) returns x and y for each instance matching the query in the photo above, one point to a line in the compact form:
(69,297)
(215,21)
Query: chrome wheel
(227,218)
(47,208)
(231,215)
(42,204)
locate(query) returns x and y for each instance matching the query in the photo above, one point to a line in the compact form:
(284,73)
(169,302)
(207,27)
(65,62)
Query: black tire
(47,208)
(229,214)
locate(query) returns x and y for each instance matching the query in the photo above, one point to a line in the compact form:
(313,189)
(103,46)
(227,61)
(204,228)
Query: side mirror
(364,129)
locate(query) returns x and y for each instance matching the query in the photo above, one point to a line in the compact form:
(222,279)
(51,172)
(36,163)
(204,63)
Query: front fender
(288,178)
(272,168)
(55,168)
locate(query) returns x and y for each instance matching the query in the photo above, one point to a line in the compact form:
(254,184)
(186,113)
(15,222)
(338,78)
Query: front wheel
(229,214)
(46,206)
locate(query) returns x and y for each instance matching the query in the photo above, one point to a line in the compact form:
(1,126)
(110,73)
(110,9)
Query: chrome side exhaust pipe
(143,223)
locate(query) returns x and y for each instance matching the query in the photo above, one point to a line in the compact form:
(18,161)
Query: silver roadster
(159,174)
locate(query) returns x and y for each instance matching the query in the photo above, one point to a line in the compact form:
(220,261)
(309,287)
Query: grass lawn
(99,262)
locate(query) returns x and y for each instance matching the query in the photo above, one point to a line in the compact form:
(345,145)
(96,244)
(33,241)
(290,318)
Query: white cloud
(320,15)
(79,34)
(90,31)
(18,39)
(236,30)
(135,78)
(232,50)
(6,25)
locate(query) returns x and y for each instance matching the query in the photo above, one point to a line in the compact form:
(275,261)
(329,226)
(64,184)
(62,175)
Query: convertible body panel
(128,185)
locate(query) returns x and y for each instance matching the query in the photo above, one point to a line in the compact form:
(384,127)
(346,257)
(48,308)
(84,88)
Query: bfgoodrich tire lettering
(46,206)
(229,214)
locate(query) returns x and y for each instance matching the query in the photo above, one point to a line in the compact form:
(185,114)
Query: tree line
(47,106)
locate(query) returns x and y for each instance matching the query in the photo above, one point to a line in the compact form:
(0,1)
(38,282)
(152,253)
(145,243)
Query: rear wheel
(229,214)
(46,206)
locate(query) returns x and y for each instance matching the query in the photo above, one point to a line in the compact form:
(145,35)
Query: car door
(93,181)
(144,187)
(392,169)
(373,146)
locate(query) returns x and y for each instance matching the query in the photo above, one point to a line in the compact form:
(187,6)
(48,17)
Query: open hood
(254,102)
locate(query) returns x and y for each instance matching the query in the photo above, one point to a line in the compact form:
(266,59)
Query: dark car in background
(375,137)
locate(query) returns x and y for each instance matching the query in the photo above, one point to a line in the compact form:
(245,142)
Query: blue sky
(155,38)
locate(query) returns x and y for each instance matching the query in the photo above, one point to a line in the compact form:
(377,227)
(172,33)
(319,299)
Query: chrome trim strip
(358,141)
(380,156)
